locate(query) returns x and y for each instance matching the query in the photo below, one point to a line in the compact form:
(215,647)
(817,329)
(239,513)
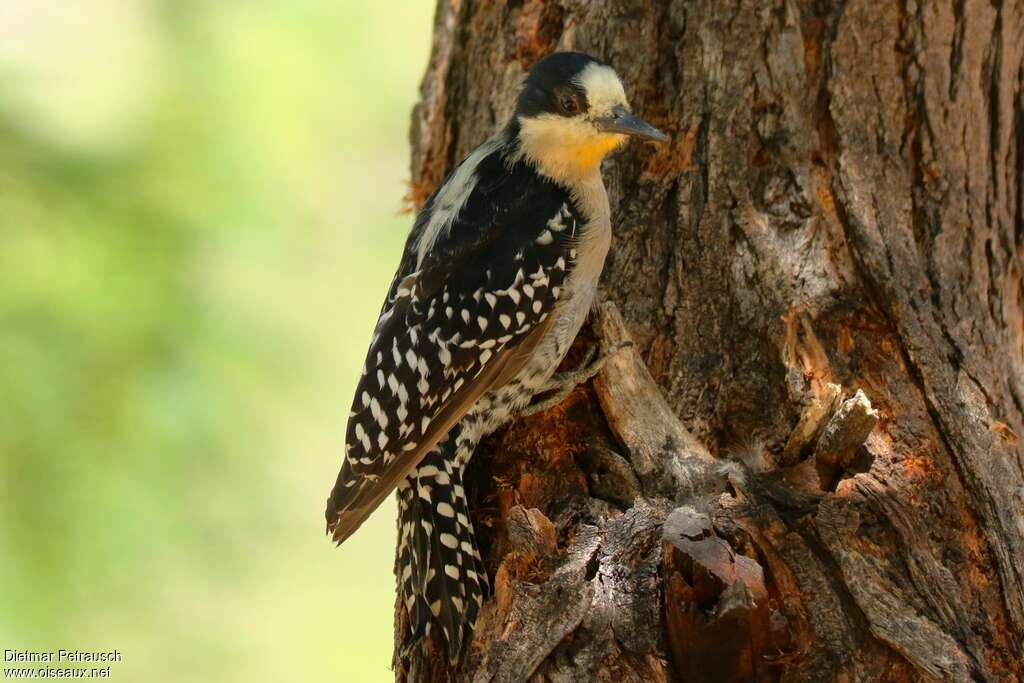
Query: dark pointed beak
(624,122)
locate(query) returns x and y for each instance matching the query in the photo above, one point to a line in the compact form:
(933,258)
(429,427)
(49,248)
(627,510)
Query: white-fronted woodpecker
(498,274)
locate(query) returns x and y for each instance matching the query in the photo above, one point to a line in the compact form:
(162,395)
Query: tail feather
(412,564)
(441,576)
(474,572)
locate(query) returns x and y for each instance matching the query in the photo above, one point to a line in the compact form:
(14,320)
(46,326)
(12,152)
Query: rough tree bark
(807,467)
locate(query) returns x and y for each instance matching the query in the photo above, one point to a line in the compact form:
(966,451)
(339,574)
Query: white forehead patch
(603,87)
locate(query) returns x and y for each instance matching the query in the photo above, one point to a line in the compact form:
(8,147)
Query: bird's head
(573,111)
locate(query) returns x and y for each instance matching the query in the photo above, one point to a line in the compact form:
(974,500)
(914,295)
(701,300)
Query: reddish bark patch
(537,29)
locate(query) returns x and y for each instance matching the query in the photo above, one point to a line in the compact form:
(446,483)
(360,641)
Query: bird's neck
(566,153)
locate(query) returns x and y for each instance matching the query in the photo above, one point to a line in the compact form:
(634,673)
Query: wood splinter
(844,433)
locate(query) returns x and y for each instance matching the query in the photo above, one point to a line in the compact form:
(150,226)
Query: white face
(604,89)
(571,147)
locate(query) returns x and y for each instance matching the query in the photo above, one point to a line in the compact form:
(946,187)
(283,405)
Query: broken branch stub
(812,422)
(717,614)
(844,433)
(668,460)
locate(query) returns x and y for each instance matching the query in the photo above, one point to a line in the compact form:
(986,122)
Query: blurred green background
(198,220)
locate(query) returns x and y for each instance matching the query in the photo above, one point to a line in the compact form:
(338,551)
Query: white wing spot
(362,436)
(556,223)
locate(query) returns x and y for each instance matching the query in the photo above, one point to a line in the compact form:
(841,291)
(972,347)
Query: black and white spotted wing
(460,322)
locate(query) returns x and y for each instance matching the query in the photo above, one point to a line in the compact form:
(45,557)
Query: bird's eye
(568,105)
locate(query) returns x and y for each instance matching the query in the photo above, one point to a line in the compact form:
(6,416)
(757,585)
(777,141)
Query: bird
(498,274)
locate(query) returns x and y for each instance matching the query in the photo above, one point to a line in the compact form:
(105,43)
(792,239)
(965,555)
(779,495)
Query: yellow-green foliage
(198,220)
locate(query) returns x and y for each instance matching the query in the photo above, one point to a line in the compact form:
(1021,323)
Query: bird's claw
(563,383)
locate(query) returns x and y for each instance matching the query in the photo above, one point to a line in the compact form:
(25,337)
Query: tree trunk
(807,466)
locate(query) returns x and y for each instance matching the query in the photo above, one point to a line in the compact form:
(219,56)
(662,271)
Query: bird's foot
(562,383)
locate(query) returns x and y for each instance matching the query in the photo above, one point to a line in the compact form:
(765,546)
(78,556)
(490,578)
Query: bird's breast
(594,237)
(592,242)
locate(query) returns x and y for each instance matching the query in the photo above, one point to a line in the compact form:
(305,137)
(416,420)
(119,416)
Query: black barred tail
(441,578)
